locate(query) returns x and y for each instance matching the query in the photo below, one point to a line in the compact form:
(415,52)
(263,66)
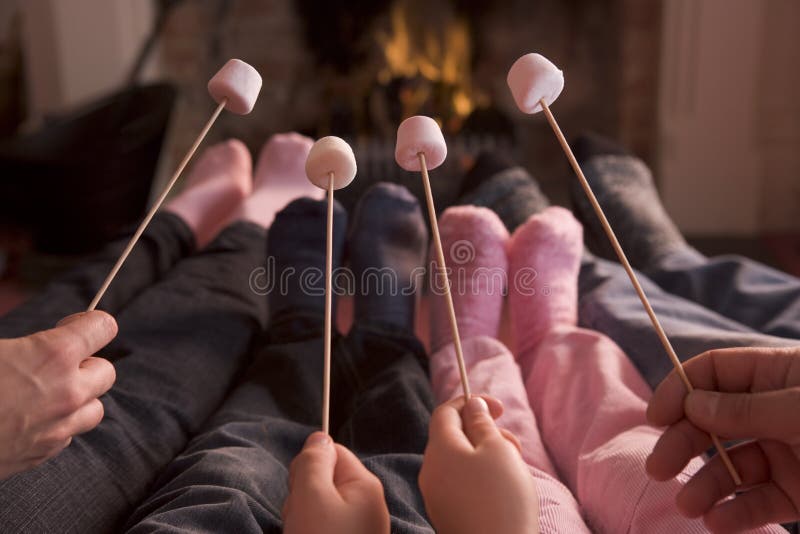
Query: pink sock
(216,185)
(280,177)
(544,260)
(474,243)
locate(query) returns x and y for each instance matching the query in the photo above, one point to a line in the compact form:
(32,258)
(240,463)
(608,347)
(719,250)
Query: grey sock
(625,190)
(387,247)
(511,193)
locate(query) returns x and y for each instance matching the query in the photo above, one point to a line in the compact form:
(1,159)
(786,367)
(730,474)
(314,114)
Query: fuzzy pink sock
(544,260)
(474,243)
(280,177)
(214,188)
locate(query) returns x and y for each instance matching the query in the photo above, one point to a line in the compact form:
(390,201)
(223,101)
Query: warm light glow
(440,55)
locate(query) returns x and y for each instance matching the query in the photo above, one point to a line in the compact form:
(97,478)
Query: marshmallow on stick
(330,165)
(235,88)
(535,84)
(420,148)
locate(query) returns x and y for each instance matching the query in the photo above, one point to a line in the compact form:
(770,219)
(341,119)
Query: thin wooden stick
(437,243)
(326,373)
(156,205)
(676,362)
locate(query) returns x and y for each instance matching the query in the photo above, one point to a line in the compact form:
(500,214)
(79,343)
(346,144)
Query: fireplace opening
(357,68)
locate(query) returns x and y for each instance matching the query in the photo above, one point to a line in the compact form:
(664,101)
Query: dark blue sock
(296,248)
(387,250)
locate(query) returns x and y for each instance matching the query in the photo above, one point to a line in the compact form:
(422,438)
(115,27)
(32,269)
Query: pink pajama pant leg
(492,370)
(590,402)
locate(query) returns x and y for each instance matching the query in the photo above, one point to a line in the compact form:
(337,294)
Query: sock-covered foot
(218,182)
(474,243)
(296,255)
(507,190)
(387,252)
(279,178)
(544,260)
(625,190)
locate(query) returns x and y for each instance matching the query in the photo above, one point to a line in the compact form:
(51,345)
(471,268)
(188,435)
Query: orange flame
(438,52)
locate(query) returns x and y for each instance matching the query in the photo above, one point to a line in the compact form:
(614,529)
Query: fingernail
(702,404)
(69,318)
(476,405)
(318,439)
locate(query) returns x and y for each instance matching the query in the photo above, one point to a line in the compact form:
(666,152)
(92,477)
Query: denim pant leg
(762,298)
(166,241)
(180,347)
(385,420)
(609,304)
(233,476)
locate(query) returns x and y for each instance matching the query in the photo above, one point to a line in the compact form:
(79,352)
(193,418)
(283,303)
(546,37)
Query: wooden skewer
(442,267)
(676,362)
(326,377)
(156,206)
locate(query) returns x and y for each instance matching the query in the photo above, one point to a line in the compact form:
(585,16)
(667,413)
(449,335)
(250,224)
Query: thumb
(312,469)
(80,335)
(768,415)
(478,422)
(349,468)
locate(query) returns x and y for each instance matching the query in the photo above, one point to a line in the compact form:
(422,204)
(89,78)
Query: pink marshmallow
(237,82)
(533,78)
(420,134)
(331,155)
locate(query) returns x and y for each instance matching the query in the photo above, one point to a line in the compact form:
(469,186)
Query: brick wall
(583,37)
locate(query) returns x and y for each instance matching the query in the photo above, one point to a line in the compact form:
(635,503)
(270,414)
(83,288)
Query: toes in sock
(279,178)
(387,252)
(296,255)
(544,260)
(507,190)
(625,189)
(590,144)
(474,244)
(215,187)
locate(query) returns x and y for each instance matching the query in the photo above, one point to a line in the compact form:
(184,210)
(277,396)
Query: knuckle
(741,409)
(64,351)
(57,438)
(107,373)
(111,372)
(304,461)
(70,345)
(95,417)
(374,485)
(72,398)
(36,462)
(100,412)
(45,344)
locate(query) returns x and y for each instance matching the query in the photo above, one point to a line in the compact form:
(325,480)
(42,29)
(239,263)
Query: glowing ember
(434,50)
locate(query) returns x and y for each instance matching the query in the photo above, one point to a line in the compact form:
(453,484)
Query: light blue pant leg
(609,304)
(762,298)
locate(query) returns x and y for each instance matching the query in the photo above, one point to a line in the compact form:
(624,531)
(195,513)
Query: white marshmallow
(237,82)
(533,78)
(331,155)
(420,134)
